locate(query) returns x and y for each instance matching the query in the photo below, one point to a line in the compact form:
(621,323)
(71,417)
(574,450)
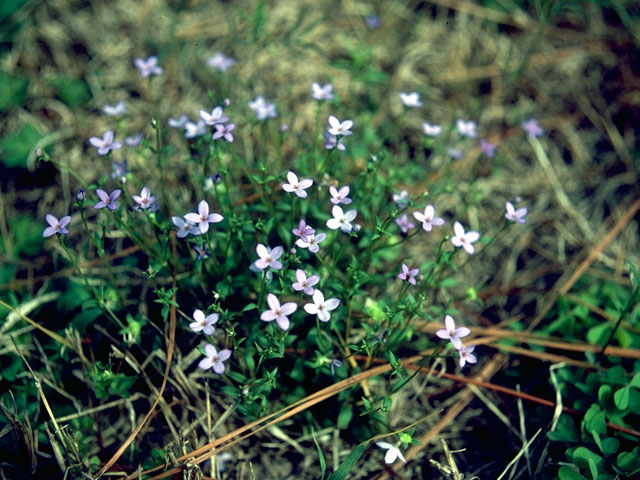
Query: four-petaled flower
(450,332)
(393,452)
(312,242)
(321,92)
(224,131)
(338,128)
(339,196)
(466,356)
(464,240)
(305,283)
(56,226)
(221,62)
(262,108)
(118,109)
(488,148)
(466,129)
(178,122)
(321,307)
(214,359)
(278,312)
(428,219)
(204,324)
(107,199)
(513,214)
(532,127)
(411,100)
(431,130)
(203,218)
(192,130)
(295,186)
(402,198)
(404,223)
(341,220)
(145,199)
(134,141)
(303,231)
(184,228)
(268,257)
(331,142)
(408,275)
(148,67)
(106,143)
(213,118)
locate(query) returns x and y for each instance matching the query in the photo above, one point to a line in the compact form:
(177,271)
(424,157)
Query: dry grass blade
(170,347)
(211,448)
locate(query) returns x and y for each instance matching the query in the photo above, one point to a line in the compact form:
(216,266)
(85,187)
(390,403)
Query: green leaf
(635,381)
(605,397)
(71,91)
(565,430)
(621,398)
(347,465)
(585,458)
(15,148)
(345,416)
(629,462)
(594,420)
(12,91)
(599,334)
(568,473)
(610,446)
(323,463)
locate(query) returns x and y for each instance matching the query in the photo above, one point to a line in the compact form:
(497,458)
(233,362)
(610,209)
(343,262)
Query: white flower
(118,109)
(428,219)
(305,283)
(220,62)
(321,307)
(262,108)
(467,356)
(268,257)
(431,130)
(295,186)
(322,92)
(341,219)
(339,128)
(184,228)
(466,129)
(214,359)
(192,130)
(339,196)
(203,323)
(515,215)
(450,332)
(312,242)
(145,199)
(411,100)
(278,312)
(213,118)
(393,452)
(464,240)
(203,218)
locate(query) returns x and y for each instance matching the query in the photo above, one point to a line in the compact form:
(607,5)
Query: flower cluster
(196,223)
(453,334)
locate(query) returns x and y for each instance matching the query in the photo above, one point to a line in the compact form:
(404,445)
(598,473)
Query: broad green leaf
(621,398)
(629,462)
(15,148)
(72,91)
(594,420)
(12,91)
(568,473)
(585,458)
(345,416)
